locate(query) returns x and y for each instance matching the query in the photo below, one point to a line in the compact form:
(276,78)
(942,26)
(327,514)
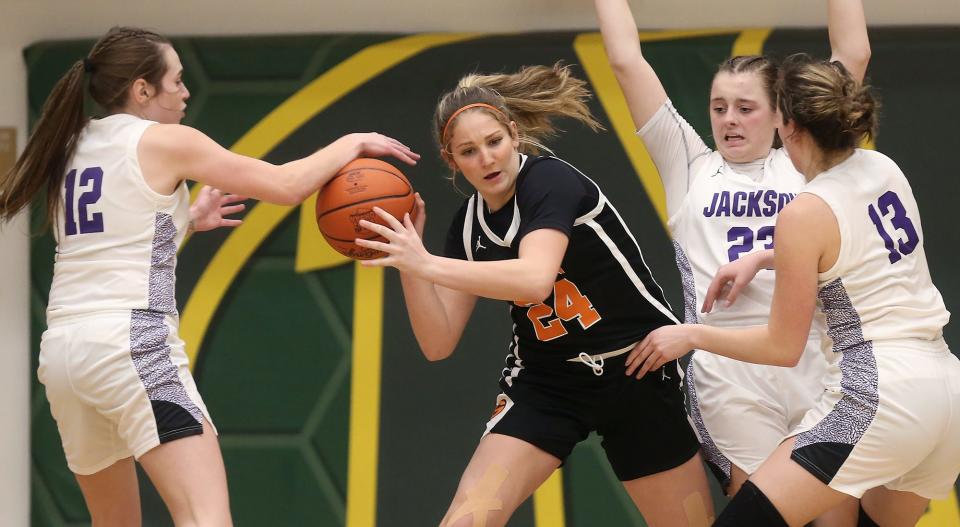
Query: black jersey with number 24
(604,297)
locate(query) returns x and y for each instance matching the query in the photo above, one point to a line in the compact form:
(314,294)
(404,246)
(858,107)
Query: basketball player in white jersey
(889,430)
(114,369)
(722,206)
(542,236)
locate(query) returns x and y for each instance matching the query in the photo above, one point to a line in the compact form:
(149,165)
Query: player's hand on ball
(421,215)
(404,249)
(373,144)
(660,346)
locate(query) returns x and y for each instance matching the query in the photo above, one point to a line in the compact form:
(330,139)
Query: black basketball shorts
(643,423)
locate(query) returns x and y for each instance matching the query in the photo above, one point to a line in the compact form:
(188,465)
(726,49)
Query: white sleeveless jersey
(717,215)
(880,281)
(116,238)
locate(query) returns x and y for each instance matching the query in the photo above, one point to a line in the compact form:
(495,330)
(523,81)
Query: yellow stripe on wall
(548,509)
(365,396)
(230,258)
(750,42)
(942,513)
(264,137)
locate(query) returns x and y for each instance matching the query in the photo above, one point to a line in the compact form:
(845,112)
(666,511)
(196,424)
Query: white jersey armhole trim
(468,229)
(588,219)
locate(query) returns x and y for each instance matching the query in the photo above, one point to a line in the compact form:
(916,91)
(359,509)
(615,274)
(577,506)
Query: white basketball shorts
(118,385)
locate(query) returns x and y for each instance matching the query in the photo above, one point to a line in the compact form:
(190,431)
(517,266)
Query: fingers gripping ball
(351,196)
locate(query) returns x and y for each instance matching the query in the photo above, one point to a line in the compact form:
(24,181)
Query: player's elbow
(434,348)
(623,61)
(436,353)
(540,290)
(790,356)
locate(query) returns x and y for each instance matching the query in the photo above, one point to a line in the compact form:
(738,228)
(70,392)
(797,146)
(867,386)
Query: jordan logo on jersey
(479,245)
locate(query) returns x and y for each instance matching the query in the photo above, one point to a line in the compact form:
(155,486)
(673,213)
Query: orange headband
(443,135)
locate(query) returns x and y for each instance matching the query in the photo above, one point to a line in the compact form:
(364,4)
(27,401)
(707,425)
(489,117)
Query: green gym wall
(328,413)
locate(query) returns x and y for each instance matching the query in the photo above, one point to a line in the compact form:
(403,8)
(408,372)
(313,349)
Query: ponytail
(120,57)
(533,97)
(51,145)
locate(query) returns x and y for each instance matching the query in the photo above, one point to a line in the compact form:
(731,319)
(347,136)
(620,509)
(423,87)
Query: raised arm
(640,85)
(849,43)
(170,153)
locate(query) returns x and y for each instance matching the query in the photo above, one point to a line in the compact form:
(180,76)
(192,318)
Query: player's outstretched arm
(849,42)
(731,278)
(186,153)
(639,82)
(781,341)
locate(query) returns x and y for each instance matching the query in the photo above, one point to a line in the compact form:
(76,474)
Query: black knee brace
(863,520)
(750,508)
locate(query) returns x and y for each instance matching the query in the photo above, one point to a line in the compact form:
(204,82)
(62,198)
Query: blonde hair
(532,97)
(822,98)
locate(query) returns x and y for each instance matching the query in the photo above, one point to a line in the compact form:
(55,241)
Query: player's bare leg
(503,472)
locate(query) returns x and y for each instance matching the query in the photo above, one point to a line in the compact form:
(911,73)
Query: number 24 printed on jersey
(568,304)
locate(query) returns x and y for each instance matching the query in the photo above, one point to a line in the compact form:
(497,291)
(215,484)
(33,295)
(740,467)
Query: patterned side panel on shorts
(151,358)
(718,463)
(689,288)
(823,449)
(175,413)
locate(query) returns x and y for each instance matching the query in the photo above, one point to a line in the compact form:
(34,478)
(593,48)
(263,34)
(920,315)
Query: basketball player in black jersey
(542,236)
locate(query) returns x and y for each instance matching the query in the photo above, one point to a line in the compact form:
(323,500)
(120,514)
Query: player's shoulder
(540,170)
(548,165)
(874,158)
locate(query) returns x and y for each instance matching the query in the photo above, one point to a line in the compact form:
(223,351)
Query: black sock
(750,508)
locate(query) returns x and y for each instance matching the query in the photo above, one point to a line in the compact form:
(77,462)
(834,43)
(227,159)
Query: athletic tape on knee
(696,510)
(482,498)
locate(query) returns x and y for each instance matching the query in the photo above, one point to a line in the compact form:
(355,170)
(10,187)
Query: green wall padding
(274,368)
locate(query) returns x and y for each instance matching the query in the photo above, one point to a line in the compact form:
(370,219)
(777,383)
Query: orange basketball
(350,197)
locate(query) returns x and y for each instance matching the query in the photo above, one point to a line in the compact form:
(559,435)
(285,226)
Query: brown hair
(532,97)
(118,59)
(762,65)
(821,97)
(765,69)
